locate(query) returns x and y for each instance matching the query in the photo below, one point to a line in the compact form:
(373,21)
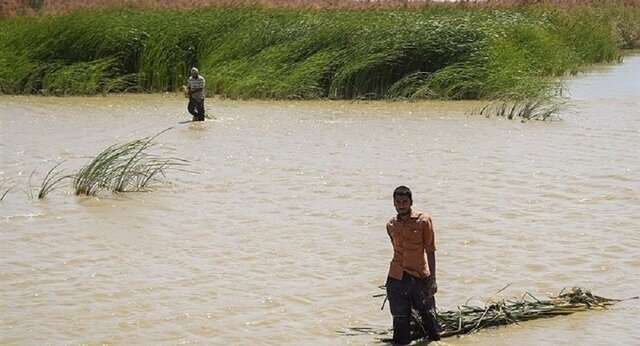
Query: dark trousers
(196,108)
(411,292)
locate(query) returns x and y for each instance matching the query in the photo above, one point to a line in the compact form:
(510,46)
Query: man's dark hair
(402,191)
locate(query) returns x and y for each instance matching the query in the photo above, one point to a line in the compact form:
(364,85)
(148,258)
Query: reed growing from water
(52,181)
(527,109)
(6,191)
(124,167)
(297,53)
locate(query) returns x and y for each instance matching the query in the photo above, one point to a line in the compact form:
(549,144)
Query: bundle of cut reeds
(468,319)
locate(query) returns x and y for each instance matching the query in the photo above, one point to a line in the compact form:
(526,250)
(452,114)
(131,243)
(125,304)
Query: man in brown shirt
(412,274)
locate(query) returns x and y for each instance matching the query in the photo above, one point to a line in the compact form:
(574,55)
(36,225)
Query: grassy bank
(256,52)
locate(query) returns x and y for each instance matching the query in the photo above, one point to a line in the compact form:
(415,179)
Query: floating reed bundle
(468,319)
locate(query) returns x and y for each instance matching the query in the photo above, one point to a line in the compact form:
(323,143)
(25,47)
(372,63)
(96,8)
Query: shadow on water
(383,337)
(190,122)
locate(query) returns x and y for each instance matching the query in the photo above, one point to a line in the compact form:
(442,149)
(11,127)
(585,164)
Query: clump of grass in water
(51,181)
(527,109)
(124,168)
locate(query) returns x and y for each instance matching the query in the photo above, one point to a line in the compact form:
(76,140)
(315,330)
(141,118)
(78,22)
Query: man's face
(402,204)
(194,74)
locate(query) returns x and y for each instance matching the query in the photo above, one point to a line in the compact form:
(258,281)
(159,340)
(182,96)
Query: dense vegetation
(257,52)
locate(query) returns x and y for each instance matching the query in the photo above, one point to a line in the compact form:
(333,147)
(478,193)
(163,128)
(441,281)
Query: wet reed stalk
(52,181)
(6,191)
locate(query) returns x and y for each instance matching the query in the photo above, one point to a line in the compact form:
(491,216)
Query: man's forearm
(431,259)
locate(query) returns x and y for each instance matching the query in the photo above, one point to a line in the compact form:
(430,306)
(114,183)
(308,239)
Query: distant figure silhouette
(195,90)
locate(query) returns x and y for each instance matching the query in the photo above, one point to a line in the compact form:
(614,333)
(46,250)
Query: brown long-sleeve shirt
(411,241)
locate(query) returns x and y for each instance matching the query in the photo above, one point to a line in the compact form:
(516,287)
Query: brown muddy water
(275,235)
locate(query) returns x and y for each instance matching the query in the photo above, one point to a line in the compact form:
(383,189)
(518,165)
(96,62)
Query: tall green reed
(52,181)
(126,167)
(254,52)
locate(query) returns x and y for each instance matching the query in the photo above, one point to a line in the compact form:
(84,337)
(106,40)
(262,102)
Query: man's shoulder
(422,216)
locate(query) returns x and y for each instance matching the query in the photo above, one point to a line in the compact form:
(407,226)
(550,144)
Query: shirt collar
(414,216)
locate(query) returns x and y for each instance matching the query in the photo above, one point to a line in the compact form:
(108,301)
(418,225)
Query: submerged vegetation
(429,52)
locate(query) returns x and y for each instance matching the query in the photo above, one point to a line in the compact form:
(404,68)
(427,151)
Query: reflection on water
(276,234)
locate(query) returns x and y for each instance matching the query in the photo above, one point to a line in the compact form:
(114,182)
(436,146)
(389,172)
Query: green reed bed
(289,53)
